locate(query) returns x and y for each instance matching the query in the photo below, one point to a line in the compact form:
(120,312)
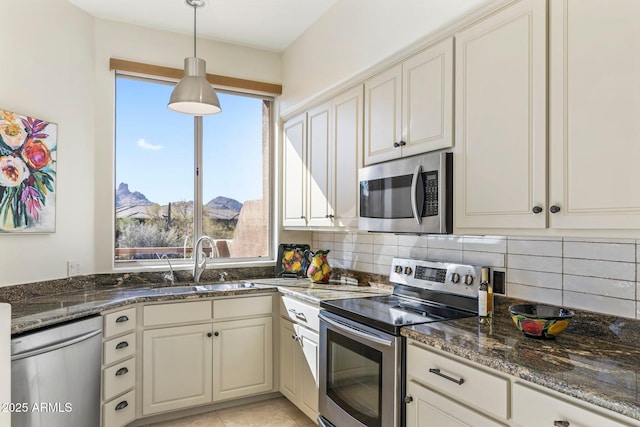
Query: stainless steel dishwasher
(55,376)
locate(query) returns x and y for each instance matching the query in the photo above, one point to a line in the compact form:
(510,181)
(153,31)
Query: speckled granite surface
(583,362)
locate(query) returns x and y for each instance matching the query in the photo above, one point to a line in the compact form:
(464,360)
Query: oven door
(360,374)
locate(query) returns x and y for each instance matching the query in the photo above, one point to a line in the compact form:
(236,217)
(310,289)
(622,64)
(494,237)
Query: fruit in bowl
(540,320)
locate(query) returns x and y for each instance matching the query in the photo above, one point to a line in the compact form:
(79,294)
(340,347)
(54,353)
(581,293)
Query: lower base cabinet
(299,366)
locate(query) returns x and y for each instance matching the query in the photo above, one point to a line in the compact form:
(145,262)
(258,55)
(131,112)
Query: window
(179,177)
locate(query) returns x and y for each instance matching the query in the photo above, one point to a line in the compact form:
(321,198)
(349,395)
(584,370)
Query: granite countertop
(41,311)
(600,368)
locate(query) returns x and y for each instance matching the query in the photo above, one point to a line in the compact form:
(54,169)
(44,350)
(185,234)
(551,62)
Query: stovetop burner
(424,292)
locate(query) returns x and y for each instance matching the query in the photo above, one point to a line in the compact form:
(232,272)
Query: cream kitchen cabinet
(408,108)
(299,354)
(500,116)
(205,351)
(594,103)
(322,153)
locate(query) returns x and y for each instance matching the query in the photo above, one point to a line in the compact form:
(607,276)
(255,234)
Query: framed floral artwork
(27,174)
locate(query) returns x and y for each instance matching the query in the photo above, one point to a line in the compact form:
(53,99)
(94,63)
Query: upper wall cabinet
(408,108)
(500,173)
(321,156)
(594,114)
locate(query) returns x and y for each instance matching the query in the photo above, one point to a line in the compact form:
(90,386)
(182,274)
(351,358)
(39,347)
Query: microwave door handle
(417,213)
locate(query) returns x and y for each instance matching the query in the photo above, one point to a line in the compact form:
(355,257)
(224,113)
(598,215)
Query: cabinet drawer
(119,348)
(118,378)
(119,322)
(479,388)
(182,312)
(242,307)
(300,312)
(119,412)
(536,408)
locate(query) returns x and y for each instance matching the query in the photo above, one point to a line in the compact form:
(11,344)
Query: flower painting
(27,174)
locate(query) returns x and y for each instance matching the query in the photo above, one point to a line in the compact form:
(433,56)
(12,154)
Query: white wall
(354,35)
(55,66)
(46,72)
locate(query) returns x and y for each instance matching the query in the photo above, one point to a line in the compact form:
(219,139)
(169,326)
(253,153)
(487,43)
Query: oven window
(354,378)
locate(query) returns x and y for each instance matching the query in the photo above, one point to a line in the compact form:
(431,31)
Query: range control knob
(398,269)
(408,270)
(468,280)
(455,277)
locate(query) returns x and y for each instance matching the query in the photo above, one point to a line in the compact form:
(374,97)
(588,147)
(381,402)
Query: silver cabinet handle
(298,314)
(436,371)
(561,424)
(122,371)
(554,209)
(536,209)
(120,406)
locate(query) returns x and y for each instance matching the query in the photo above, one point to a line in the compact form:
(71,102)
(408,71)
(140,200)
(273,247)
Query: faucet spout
(170,277)
(200,259)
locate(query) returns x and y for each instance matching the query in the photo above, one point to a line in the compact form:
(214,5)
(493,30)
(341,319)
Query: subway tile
(496,244)
(365,267)
(412,240)
(343,237)
(599,240)
(445,255)
(385,239)
(362,257)
(603,269)
(534,294)
(535,278)
(600,251)
(597,286)
(362,238)
(419,253)
(450,242)
(363,248)
(535,263)
(600,304)
(535,247)
(343,246)
(385,250)
(405,251)
(488,259)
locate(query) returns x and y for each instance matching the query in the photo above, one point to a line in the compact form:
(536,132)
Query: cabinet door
(500,173)
(288,350)
(176,370)
(319,135)
(307,371)
(427,99)
(382,116)
(428,408)
(242,358)
(346,156)
(594,109)
(294,157)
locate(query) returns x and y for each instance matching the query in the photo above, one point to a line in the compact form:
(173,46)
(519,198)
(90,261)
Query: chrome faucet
(169,277)
(200,265)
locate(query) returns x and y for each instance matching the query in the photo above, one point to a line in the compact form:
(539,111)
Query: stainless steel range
(362,357)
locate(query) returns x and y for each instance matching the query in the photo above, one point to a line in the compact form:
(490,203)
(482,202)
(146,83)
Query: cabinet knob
(536,209)
(403,143)
(561,423)
(302,217)
(329,216)
(209,334)
(216,334)
(554,209)
(408,399)
(396,144)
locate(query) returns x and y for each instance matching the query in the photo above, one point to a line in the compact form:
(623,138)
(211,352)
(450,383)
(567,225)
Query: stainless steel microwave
(410,195)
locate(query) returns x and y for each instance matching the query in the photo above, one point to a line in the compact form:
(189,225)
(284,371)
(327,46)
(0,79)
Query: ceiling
(264,24)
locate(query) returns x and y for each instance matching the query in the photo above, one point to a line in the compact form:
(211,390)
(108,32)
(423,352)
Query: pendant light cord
(195,8)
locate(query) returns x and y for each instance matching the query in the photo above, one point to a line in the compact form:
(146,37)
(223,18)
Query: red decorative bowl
(540,320)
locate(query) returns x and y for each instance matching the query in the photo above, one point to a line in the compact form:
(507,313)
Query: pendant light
(194,94)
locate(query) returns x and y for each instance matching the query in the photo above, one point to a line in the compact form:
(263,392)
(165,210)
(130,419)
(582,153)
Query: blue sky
(154,145)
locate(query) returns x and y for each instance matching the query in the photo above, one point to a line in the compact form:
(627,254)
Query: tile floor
(277,412)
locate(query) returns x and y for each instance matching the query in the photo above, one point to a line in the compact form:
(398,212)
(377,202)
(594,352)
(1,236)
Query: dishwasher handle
(55,346)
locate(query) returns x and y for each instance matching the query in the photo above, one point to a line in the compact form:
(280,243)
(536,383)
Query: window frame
(187,263)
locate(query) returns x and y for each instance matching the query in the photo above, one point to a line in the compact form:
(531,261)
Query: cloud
(147,146)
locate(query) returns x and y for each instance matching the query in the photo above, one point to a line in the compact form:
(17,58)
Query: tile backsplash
(599,275)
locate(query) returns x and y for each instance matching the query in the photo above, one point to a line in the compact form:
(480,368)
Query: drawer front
(242,307)
(181,312)
(119,322)
(300,312)
(119,412)
(119,348)
(478,388)
(118,378)
(536,408)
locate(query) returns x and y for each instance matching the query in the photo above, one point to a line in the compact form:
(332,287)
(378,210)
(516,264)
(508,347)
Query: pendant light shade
(193,94)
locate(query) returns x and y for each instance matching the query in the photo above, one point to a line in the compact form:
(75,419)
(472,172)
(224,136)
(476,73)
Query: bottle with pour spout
(485,295)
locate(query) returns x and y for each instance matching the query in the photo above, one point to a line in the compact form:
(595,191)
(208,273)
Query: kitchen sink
(172,290)
(223,287)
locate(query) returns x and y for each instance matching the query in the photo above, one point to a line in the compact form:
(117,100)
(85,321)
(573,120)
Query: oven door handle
(356,332)
(417,212)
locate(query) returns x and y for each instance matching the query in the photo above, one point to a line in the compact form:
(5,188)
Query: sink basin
(172,290)
(223,287)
